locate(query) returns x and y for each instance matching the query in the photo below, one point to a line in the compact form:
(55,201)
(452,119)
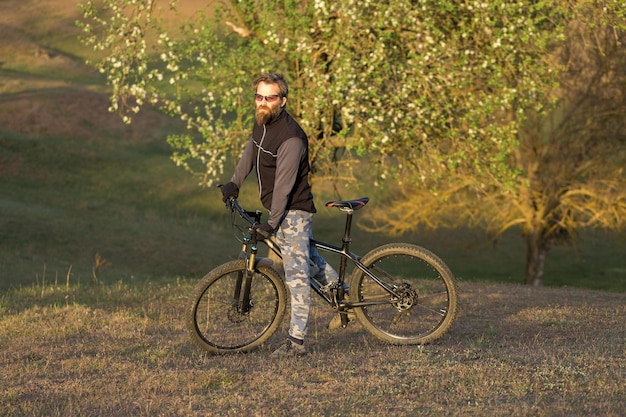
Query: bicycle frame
(334,298)
(401,293)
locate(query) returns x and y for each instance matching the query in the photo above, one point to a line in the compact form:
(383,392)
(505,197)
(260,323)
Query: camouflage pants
(293,239)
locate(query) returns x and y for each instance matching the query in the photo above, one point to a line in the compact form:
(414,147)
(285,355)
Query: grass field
(78,186)
(121,350)
(76,183)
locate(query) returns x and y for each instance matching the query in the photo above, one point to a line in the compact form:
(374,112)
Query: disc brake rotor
(407,298)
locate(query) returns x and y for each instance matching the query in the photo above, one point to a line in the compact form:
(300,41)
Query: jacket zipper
(258,161)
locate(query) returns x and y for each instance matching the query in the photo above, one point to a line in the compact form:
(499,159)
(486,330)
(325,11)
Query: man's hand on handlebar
(229,190)
(262,230)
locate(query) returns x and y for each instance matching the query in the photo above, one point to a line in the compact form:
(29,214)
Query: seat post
(343,263)
(346,234)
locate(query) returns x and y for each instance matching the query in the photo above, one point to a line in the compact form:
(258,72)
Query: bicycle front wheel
(420,303)
(217,321)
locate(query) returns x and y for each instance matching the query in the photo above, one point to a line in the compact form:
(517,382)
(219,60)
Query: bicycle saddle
(348,204)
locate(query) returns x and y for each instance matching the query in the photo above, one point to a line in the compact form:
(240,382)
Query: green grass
(112,190)
(76,182)
(71,199)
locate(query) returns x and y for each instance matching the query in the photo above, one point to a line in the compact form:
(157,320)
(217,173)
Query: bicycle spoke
(421,305)
(218,323)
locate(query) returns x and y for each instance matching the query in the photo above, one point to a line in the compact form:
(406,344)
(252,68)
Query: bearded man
(278,152)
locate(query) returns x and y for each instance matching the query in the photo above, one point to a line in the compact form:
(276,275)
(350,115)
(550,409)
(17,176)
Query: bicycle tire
(430,301)
(213,320)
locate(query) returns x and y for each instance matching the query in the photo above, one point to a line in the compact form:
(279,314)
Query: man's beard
(265,113)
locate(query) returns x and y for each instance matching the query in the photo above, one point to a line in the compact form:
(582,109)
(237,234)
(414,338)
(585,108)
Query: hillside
(78,186)
(76,183)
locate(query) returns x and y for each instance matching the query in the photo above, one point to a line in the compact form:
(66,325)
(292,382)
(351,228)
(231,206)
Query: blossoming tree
(474,112)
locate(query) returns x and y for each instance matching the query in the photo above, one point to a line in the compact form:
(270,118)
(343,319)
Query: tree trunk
(536,251)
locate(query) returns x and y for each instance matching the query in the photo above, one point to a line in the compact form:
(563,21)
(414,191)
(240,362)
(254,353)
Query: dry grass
(122,350)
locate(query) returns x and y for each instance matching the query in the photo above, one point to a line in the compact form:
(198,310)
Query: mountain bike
(401,293)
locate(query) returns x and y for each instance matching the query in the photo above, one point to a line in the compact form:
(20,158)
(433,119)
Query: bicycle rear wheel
(426,302)
(217,323)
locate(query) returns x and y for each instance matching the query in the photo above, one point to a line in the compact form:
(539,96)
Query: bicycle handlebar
(253,218)
(233,205)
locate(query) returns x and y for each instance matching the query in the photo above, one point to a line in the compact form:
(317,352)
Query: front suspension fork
(244,278)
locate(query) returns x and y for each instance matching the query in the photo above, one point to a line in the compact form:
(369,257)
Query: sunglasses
(269,99)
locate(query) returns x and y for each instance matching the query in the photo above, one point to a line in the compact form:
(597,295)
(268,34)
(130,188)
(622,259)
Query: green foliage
(432,88)
(434,85)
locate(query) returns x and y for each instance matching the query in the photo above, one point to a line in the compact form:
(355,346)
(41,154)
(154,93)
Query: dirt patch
(75,112)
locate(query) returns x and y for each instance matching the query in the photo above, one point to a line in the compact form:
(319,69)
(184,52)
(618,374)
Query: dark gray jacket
(279,152)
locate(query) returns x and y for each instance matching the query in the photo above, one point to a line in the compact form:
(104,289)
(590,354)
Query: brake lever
(230,204)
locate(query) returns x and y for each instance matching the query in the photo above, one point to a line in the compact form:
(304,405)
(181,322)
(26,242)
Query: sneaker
(335,323)
(289,349)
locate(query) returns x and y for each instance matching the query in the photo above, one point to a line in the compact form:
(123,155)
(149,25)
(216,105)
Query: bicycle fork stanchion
(244,279)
